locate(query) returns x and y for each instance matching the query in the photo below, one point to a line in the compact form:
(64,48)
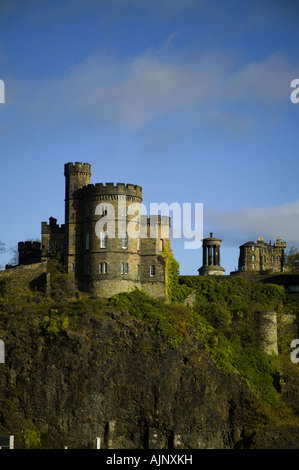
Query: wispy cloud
(250,222)
(213,89)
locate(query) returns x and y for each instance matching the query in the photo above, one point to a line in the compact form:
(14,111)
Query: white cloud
(212,89)
(250,223)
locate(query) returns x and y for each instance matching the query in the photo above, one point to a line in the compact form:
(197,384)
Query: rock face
(111,377)
(108,376)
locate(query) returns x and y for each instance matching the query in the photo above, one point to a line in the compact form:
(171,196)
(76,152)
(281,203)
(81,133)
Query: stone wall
(33,276)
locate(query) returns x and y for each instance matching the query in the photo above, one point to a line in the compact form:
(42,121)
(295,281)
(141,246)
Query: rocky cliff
(100,372)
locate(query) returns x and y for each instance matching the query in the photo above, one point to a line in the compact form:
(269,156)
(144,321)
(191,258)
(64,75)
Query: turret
(77,175)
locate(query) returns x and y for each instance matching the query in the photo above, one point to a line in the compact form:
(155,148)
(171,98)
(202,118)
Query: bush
(31,439)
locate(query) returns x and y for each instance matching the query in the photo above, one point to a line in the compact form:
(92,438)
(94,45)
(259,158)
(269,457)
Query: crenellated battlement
(77,167)
(101,189)
(52,226)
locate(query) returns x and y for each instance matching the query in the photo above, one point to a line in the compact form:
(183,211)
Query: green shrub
(54,323)
(31,439)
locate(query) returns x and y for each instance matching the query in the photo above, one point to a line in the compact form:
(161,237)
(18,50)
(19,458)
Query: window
(50,247)
(264,250)
(252,248)
(278,259)
(253,258)
(73,267)
(124,268)
(104,210)
(152,270)
(161,245)
(253,266)
(124,240)
(264,259)
(103,239)
(73,239)
(87,241)
(272,259)
(103,268)
(138,244)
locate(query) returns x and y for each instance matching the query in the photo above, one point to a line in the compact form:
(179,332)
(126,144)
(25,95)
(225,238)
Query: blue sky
(189,99)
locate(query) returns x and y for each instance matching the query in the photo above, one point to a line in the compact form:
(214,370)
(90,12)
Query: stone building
(261,256)
(101,260)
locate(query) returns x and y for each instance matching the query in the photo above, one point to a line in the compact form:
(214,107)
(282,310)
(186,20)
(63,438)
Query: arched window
(253,258)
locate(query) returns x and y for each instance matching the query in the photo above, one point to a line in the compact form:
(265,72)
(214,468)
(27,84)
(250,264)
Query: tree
(292,259)
(2,249)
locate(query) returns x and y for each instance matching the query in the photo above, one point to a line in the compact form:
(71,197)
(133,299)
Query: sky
(189,99)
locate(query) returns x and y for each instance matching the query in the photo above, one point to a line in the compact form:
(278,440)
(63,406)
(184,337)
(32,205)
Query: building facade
(101,260)
(260,256)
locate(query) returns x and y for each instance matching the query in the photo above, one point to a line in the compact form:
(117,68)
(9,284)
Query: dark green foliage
(159,315)
(232,344)
(175,292)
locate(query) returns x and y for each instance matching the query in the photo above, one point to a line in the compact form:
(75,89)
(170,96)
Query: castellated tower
(76,177)
(108,247)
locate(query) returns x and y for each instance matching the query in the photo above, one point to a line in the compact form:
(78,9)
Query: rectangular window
(252,248)
(124,268)
(152,270)
(50,247)
(103,268)
(124,240)
(103,239)
(73,267)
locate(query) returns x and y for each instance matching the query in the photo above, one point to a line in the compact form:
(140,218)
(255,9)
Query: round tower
(111,258)
(77,175)
(211,257)
(267,322)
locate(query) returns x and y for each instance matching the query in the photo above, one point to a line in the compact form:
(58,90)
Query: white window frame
(103,239)
(124,268)
(124,240)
